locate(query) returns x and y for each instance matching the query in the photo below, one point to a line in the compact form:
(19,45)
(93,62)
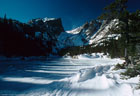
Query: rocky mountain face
(48,30)
(89,33)
(80,36)
(47,36)
(51,27)
(104,30)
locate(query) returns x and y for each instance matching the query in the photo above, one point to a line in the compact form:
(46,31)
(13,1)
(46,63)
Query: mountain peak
(49,19)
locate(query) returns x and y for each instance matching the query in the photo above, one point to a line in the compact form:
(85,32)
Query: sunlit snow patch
(94,81)
(55,72)
(75,31)
(31,80)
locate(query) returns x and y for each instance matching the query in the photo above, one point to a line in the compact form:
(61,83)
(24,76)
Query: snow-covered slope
(103,31)
(75,31)
(80,36)
(87,34)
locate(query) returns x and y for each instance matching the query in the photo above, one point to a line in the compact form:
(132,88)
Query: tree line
(18,39)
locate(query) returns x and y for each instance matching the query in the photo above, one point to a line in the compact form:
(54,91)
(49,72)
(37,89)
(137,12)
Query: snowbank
(97,81)
(91,56)
(87,56)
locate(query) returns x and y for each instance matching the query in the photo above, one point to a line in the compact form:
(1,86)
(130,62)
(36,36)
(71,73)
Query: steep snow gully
(87,76)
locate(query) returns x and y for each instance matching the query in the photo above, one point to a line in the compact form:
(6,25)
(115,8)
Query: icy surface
(90,75)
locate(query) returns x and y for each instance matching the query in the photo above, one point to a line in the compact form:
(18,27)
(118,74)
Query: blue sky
(74,13)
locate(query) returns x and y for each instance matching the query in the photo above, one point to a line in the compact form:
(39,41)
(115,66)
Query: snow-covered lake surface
(64,77)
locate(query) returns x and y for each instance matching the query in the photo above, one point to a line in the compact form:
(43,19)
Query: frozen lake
(61,77)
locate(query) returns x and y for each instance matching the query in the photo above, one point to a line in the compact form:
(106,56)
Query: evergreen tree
(114,11)
(118,10)
(5,19)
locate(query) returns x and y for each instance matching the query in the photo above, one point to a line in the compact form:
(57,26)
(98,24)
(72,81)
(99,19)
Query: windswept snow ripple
(94,82)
